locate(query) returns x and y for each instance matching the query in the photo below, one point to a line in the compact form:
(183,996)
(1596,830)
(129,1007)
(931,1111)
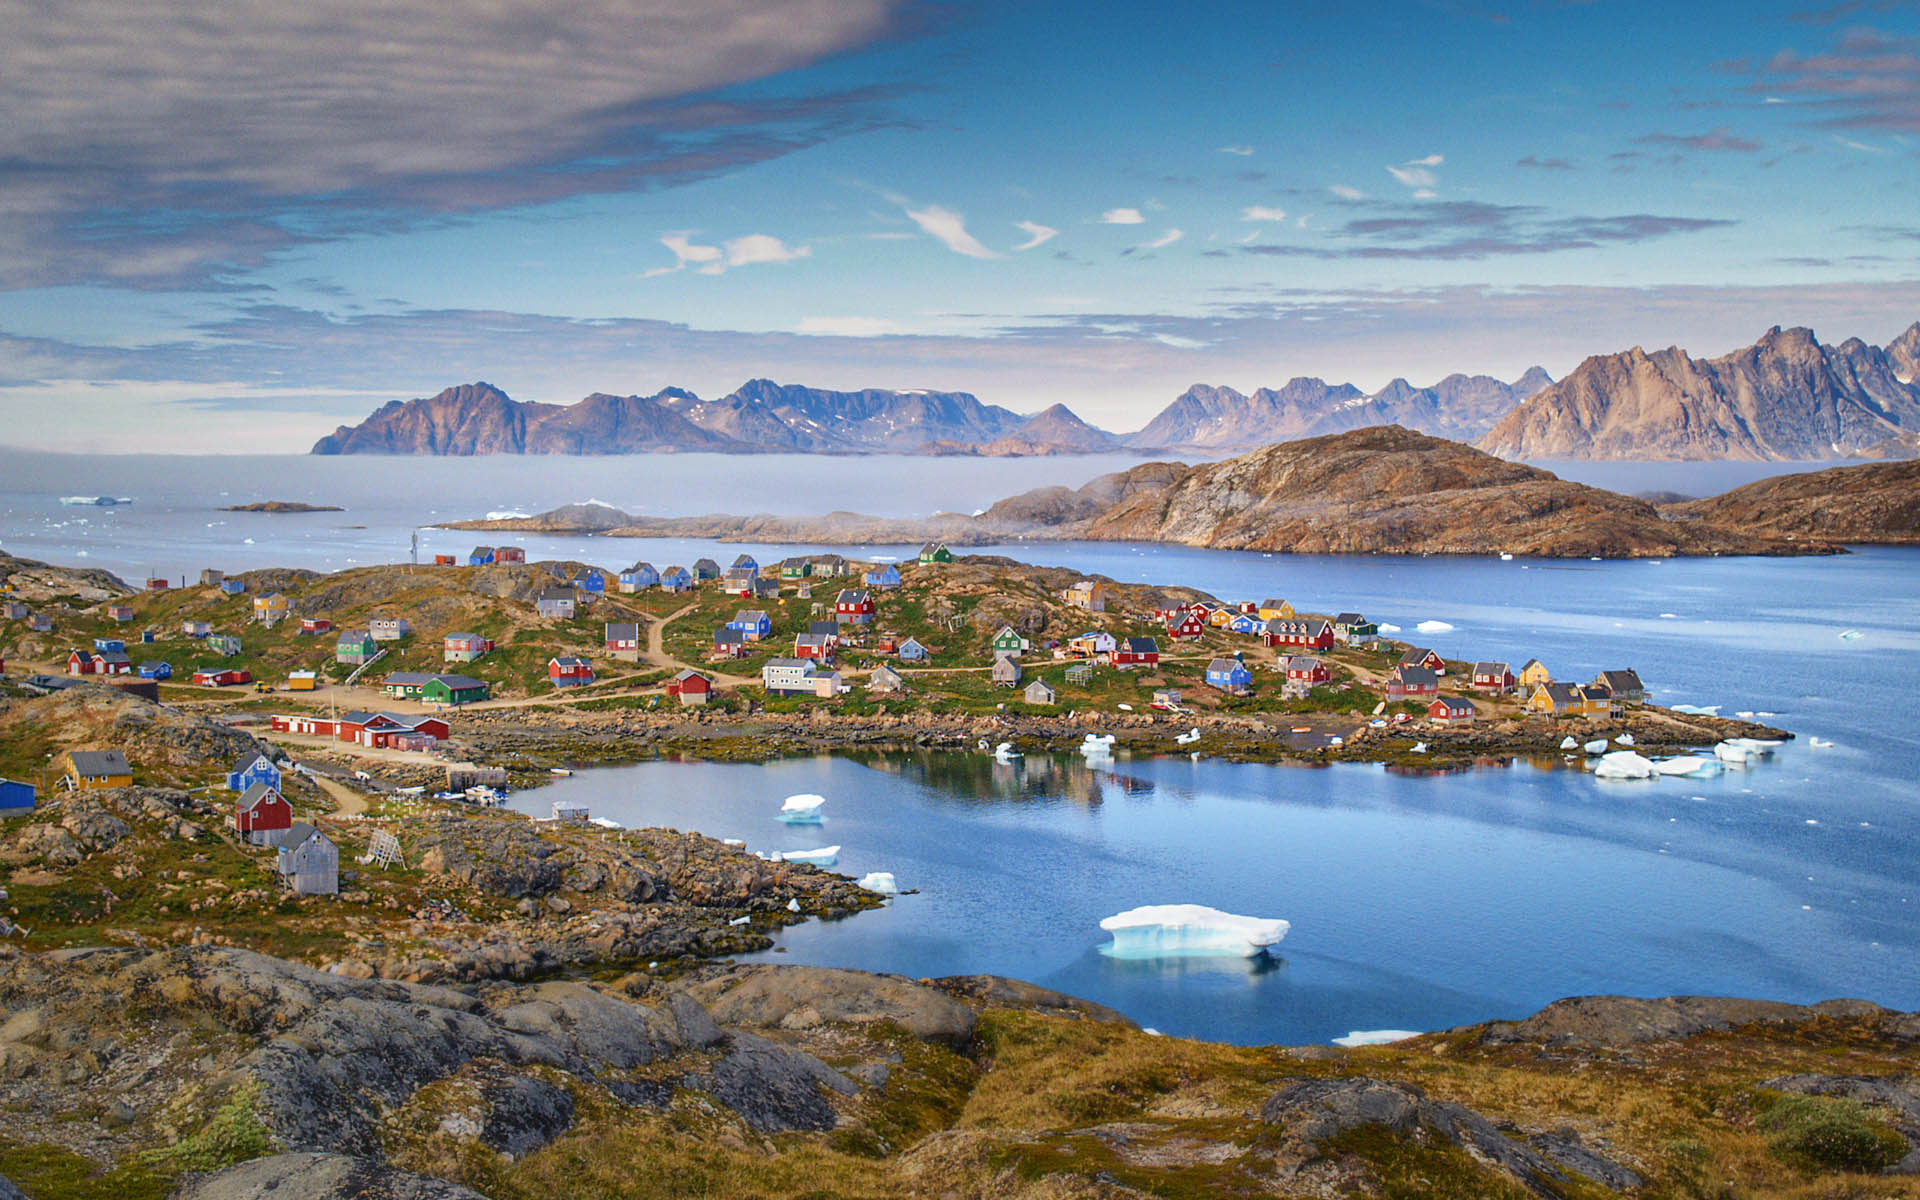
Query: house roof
(1620,681)
(1456,704)
(1349,618)
(1411,675)
(705,564)
(1415,655)
(458,682)
(1225,666)
(690,673)
(745,560)
(1273,602)
(463,637)
(557,594)
(482,550)
(789,664)
(885,672)
(811,639)
(154,666)
(639,568)
(1490,668)
(100,762)
(1042,685)
(407,679)
(1560,692)
(247,760)
(568,660)
(851,596)
(256,792)
(913,641)
(1307,662)
(624,631)
(825,628)
(728,634)
(751,614)
(674,570)
(1143,645)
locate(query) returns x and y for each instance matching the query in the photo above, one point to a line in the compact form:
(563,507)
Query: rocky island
(282,506)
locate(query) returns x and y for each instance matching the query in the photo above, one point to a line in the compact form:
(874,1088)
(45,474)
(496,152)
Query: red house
(316,625)
(103,662)
(854,607)
(691,688)
(1412,683)
(221,677)
(1493,677)
(156,585)
(813,645)
(1420,656)
(1308,633)
(507,554)
(387,729)
(1136,651)
(443,560)
(569,671)
(1451,711)
(1308,670)
(260,813)
(1186,624)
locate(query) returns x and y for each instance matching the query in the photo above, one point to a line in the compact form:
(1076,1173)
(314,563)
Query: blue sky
(270,219)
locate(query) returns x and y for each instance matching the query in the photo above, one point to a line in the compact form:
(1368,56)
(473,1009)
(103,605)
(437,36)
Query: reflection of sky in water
(1415,902)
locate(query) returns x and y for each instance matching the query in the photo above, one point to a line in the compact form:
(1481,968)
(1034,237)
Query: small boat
(558,771)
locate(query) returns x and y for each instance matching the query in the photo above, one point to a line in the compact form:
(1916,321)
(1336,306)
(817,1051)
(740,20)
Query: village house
(817,647)
(120,612)
(40,622)
(1624,686)
(745,563)
(593,580)
(827,684)
(221,677)
(569,670)
(912,650)
(1089,594)
(622,641)
(1249,623)
(250,769)
(1040,692)
(1451,710)
(1493,677)
(480,556)
(676,579)
(1354,629)
(886,576)
(767,587)
(753,622)
(729,642)
(310,626)
(225,644)
(1093,643)
(1186,625)
(271,609)
(211,576)
(1411,683)
(1221,617)
(464,647)
(156,670)
(303,681)
(704,569)
(376,730)
(935,552)
(157,585)
(1310,633)
(556,604)
(445,560)
(434,689)
(1420,656)
(388,629)
(1596,701)
(85,770)
(195,629)
(1230,675)
(1274,609)
(787,676)
(1304,673)
(796,568)
(261,814)
(13,610)
(831,566)
(853,607)
(232,587)
(308,861)
(1136,652)
(1006,671)
(1009,641)
(1532,675)
(1555,699)
(886,679)
(638,578)
(826,629)
(738,583)
(1201,609)
(16,798)
(509,554)
(355,647)
(691,688)
(106,662)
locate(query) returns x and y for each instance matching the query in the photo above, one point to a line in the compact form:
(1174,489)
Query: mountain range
(1787,397)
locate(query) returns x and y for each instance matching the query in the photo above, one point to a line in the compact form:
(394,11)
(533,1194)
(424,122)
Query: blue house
(675,579)
(156,670)
(745,563)
(252,769)
(104,644)
(912,651)
(593,579)
(752,622)
(480,556)
(1247,623)
(887,576)
(16,799)
(638,577)
(1229,675)
(146,635)
(232,587)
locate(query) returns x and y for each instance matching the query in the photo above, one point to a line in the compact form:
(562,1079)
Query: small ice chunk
(1745,714)
(1851,635)
(793,906)
(880,882)
(822,856)
(1669,616)
(801,809)
(1375,1037)
(1172,930)
(1688,764)
(1434,627)
(1596,746)
(1697,710)
(741,921)
(1820,743)
(1625,739)
(1568,743)
(1624,764)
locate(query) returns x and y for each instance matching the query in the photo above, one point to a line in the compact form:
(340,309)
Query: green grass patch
(1828,1133)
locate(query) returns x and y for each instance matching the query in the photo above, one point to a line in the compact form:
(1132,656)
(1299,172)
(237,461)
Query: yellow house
(270,609)
(1219,617)
(1555,700)
(1271,609)
(1087,594)
(88,769)
(302,681)
(1534,674)
(1594,702)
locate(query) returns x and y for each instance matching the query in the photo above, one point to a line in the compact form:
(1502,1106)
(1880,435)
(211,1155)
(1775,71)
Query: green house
(935,552)
(434,689)
(1009,641)
(355,647)
(796,568)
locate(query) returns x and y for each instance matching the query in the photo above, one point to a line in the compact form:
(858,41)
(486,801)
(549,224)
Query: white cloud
(1122,216)
(1431,160)
(739,252)
(950,230)
(1242,151)
(1425,194)
(1166,239)
(1262,212)
(762,248)
(1037,234)
(1414,177)
(1850,144)
(847,326)
(1347,193)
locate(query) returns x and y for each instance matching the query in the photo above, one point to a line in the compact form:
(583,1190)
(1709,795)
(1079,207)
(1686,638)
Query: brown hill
(1875,503)
(1786,397)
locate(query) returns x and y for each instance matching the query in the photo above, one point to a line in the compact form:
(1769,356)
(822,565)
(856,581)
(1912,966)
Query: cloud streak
(1456,231)
(1122,216)
(949,228)
(1712,140)
(1037,234)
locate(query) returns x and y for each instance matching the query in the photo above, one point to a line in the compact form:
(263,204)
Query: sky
(232,226)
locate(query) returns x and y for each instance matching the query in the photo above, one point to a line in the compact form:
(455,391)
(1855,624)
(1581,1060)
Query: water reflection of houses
(978,778)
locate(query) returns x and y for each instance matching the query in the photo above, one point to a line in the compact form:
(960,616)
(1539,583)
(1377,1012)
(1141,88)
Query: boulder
(773,1088)
(316,1176)
(778,997)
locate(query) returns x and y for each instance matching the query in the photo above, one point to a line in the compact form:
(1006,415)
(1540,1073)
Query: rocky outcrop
(806,997)
(282,506)
(1615,1021)
(154,736)
(1879,503)
(1786,397)
(514,861)
(31,580)
(316,1175)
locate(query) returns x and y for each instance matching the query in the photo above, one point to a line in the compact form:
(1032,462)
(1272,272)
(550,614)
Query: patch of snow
(1175,930)
(1851,635)
(508,514)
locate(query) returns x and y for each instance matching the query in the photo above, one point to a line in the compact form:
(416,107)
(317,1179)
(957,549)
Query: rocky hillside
(31,581)
(1877,503)
(760,417)
(1786,397)
(1216,418)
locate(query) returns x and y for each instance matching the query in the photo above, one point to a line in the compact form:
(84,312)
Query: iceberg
(1697,710)
(508,514)
(1174,930)
(1669,616)
(1376,1037)
(1567,743)
(1689,764)
(1624,764)
(824,856)
(1096,746)
(803,809)
(1434,627)
(1386,628)
(1596,746)
(880,883)
(1505,557)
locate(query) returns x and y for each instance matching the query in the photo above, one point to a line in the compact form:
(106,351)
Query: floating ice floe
(1744,750)
(1688,764)
(1505,557)
(1568,743)
(1169,930)
(1820,743)
(1434,627)
(823,856)
(880,883)
(1596,746)
(1851,635)
(1096,746)
(801,809)
(1669,616)
(1186,739)
(1376,1037)
(1697,710)
(1386,628)
(1624,764)
(1625,739)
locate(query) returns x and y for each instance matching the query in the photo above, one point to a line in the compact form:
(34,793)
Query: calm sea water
(1416,902)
